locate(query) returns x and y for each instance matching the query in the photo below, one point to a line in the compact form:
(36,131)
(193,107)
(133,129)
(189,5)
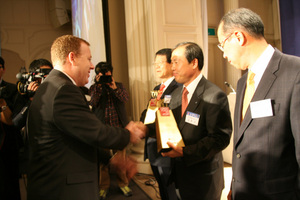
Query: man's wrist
(3,108)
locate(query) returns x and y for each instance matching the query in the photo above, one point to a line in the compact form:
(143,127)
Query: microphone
(19,76)
(230,86)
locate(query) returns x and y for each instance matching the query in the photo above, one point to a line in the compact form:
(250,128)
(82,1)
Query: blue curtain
(290,26)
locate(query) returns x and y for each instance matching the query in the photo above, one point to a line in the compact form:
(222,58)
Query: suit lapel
(169,89)
(261,92)
(195,100)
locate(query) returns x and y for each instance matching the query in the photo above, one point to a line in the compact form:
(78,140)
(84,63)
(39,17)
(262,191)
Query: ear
(71,58)
(195,63)
(240,37)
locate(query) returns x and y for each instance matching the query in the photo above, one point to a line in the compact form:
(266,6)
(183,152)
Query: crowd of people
(68,144)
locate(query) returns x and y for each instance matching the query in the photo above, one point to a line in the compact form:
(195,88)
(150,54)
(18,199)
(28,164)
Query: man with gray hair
(201,111)
(266,152)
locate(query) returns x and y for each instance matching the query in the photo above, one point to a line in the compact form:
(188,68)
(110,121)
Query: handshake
(137,131)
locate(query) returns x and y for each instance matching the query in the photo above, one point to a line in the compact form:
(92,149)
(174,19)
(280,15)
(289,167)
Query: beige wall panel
(175,15)
(38,13)
(214,12)
(172,39)
(177,18)
(14,36)
(264,9)
(26,33)
(216,69)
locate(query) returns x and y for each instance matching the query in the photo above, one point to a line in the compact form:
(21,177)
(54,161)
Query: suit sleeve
(295,118)
(73,116)
(218,128)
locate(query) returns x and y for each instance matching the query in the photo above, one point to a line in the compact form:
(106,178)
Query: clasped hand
(137,131)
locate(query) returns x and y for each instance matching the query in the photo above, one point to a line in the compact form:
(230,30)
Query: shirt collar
(168,82)
(192,86)
(261,64)
(67,76)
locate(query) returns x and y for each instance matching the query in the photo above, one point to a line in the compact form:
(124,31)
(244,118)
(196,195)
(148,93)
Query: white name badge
(192,118)
(167,99)
(262,108)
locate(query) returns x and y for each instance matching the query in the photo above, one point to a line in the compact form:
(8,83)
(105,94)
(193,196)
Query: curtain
(290,26)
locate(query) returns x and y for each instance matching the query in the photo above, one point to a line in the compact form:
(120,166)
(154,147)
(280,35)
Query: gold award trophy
(152,108)
(166,127)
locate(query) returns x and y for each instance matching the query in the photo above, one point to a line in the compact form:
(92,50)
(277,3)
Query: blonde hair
(63,45)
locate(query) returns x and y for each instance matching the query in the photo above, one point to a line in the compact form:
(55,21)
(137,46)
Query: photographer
(28,84)
(108,100)
(10,102)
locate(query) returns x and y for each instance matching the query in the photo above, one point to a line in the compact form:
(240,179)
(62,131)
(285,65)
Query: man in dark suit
(10,138)
(161,166)
(266,154)
(64,135)
(203,118)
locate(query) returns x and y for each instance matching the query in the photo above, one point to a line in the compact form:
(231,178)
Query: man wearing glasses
(161,166)
(266,153)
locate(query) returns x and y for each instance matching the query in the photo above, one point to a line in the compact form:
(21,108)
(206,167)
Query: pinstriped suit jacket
(266,153)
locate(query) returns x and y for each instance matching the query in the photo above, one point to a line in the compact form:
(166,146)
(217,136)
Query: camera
(25,78)
(104,78)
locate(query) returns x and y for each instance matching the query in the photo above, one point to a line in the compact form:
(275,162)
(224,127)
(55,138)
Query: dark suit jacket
(64,136)
(150,151)
(10,142)
(266,153)
(8,92)
(199,173)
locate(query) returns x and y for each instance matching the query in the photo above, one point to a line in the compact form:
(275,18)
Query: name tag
(261,108)
(167,99)
(192,118)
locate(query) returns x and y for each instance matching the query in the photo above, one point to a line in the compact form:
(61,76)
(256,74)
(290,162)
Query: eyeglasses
(221,45)
(159,63)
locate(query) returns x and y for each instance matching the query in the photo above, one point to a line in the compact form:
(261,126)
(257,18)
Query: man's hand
(33,86)
(131,167)
(119,162)
(5,115)
(175,152)
(112,85)
(98,77)
(137,131)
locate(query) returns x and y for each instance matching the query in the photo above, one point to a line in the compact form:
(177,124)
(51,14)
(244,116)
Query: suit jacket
(266,153)
(150,151)
(10,142)
(64,136)
(8,92)
(199,173)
